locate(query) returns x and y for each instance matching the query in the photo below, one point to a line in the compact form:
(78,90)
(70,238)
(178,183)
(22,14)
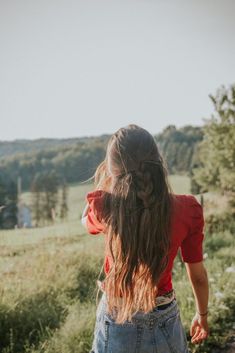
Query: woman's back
(186,232)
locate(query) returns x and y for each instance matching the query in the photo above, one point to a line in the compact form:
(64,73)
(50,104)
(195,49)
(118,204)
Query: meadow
(48,281)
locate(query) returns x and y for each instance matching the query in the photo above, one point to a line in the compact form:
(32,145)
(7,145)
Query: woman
(144,224)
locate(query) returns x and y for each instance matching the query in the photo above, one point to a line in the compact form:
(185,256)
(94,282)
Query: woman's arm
(198,278)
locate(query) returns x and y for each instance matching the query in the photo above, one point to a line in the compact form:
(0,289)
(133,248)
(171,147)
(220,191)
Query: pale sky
(87,67)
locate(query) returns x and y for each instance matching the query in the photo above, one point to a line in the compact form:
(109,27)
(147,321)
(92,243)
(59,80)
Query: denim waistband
(154,315)
(161,300)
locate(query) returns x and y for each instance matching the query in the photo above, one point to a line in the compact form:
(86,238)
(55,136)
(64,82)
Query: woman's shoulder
(95,194)
(187,206)
(185,200)
(98,201)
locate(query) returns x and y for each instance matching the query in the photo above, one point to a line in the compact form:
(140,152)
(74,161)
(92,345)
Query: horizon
(90,136)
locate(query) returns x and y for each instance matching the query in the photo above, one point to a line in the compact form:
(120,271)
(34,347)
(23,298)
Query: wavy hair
(137,214)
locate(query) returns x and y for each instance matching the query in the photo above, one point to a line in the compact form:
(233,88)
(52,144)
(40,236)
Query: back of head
(137,217)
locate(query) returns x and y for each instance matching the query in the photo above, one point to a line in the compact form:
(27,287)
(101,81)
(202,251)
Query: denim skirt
(159,331)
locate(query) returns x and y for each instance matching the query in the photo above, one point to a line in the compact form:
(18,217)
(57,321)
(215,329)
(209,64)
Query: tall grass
(48,286)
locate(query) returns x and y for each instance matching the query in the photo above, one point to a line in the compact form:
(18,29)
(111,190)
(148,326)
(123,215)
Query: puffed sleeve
(192,245)
(93,220)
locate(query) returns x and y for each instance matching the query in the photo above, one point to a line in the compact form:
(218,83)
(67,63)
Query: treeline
(74,163)
(179,147)
(21,146)
(78,161)
(8,204)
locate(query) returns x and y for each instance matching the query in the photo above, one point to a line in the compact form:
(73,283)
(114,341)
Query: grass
(48,283)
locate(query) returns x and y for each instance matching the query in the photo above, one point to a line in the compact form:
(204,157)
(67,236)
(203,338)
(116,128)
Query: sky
(88,67)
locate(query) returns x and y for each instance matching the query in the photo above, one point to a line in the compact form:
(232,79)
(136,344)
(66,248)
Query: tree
(64,201)
(217,150)
(50,189)
(44,189)
(36,189)
(2,200)
(8,204)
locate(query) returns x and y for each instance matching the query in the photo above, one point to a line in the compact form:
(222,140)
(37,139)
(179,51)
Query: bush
(25,323)
(75,335)
(220,223)
(84,286)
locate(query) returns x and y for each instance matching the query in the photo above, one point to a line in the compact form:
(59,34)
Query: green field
(48,283)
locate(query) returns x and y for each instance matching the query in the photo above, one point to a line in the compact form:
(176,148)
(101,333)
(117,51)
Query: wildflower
(223,307)
(219,295)
(230,269)
(190,299)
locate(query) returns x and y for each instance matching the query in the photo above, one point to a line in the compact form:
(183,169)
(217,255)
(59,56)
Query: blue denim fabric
(159,331)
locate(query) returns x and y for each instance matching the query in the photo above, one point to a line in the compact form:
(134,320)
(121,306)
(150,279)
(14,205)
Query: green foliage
(179,147)
(26,321)
(55,312)
(73,162)
(76,160)
(83,285)
(45,196)
(217,150)
(20,147)
(76,334)
(8,203)
(221,222)
(60,313)
(64,201)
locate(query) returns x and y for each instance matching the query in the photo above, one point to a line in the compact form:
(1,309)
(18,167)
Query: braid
(145,186)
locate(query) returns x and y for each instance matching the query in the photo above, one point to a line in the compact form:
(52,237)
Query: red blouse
(187,232)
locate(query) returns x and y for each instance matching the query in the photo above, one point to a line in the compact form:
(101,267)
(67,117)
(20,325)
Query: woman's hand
(84,215)
(199,329)
(85,211)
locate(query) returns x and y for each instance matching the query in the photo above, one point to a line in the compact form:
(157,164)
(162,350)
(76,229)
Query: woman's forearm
(197,274)
(201,292)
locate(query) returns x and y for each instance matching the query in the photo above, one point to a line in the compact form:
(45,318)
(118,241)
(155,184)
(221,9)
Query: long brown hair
(137,214)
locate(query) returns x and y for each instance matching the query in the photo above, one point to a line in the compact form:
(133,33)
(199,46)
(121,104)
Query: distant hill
(76,159)
(23,146)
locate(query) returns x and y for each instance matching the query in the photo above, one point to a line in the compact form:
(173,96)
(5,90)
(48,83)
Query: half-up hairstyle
(137,215)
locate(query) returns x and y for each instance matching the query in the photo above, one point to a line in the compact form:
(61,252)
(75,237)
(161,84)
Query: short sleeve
(93,220)
(192,245)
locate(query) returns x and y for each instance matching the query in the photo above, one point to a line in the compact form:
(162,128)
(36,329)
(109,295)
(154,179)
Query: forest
(76,160)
